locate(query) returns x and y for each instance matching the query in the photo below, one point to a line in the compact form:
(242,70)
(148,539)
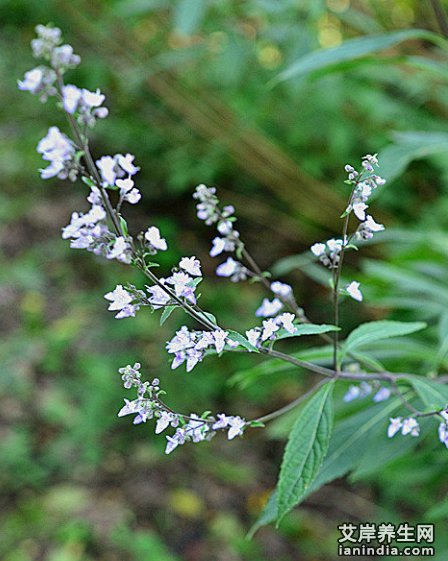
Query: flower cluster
(191,346)
(86,105)
(271,328)
(60,151)
(41,80)
(364,389)
(189,428)
(407,426)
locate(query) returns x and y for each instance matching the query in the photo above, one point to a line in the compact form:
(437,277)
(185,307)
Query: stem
(441,17)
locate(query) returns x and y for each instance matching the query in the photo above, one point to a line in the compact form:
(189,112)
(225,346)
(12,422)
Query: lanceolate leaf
(376,330)
(306,449)
(433,394)
(238,338)
(353,49)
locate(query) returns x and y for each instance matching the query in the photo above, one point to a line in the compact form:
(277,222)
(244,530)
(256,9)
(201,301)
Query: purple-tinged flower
(108,170)
(269,308)
(410,426)
(353,291)
(191,265)
(237,425)
(381,395)
(126,163)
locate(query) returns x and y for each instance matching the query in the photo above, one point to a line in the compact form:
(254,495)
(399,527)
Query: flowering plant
(103,230)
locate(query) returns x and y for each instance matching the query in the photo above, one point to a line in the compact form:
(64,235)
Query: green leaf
(188,15)
(433,394)
(124,226)
(354,49)
(407,147)
(377,330)
(238,338)
(306,449)
(306,329)
(168,310)
(88,181)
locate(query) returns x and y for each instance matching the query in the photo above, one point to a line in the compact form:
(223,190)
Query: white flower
(410,426)
(159,297)
(381,395)
(352,393)
(395,425)
(156,242)
(133,196)
(57,149)
(181,282)
(120,250)
(286,320)
(370,224)
(163,421)
(93,99)
(172,444)
(360,210)
(281,288)
(125,162)
(191,265)
(253,335)
(70,98)
(318,249)
(220,339)
(334,245)
(225,228)
(228,268)
(270,326)
(219,245)
(127,192)
(33,81)
(121,300)
(353,290)
(107,167)
(95,214)
(268,308)
(443,433)
(236,427)
(130,407)
(222,422)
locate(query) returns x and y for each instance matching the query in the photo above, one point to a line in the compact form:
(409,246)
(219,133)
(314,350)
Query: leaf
(433,394)
(188,15)
(353,49)
(409,146)
(306,329)
(306,449)
(348,442)
(238,338)
(377,330)
(346,450)
(167,311)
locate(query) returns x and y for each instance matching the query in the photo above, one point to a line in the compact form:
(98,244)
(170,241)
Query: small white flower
(443,433)
(286,320)
(191,265)
(159,297)
(372,225)
(124,185)
(381,395)
(281,289)
(163,421)
(220,339)
(119,250)
(107,167)
(228,268)
(268,308)
(253,335)
(360,210)
(318,249)
(353,290)
(236,427)
(410,426)
(152,235)
(32,81)
(120,300)
(352,393)
(92,99)
(394,426)
(270,326)
(218,247)
(70,98)
(126,163)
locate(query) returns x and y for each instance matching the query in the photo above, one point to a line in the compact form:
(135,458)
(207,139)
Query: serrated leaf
(353,49)
(167,311)
(238,338)
(377,330)
(433,394)
(306,449)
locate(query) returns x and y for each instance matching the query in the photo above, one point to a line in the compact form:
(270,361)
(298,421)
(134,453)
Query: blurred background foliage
(194,92)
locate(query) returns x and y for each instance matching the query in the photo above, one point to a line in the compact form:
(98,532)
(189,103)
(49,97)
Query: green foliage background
(193,92)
